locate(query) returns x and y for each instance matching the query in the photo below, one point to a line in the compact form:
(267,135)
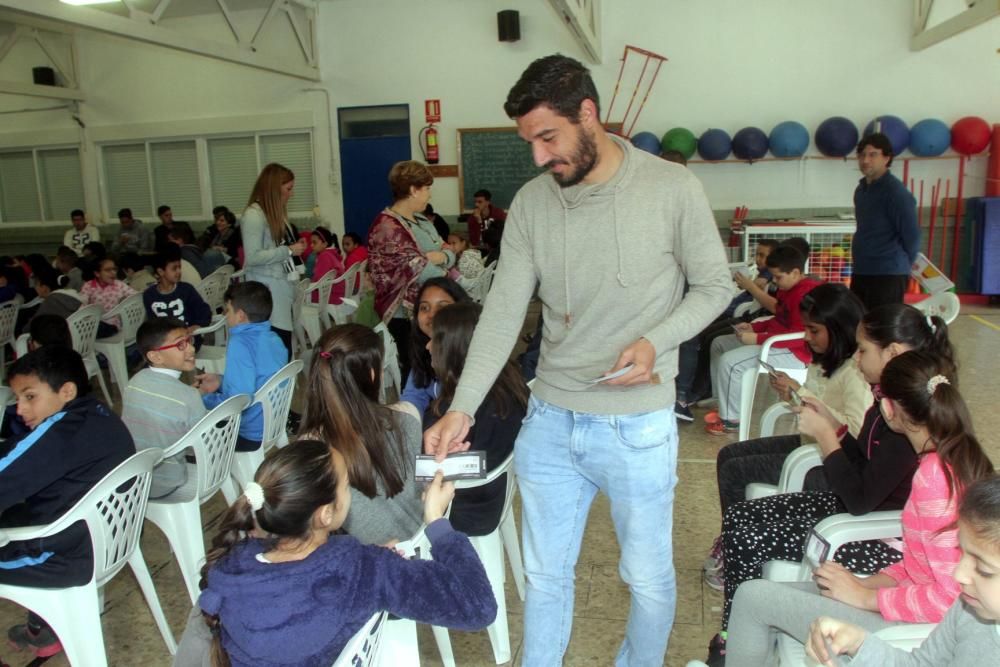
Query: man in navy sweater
(74,441)
(887,238)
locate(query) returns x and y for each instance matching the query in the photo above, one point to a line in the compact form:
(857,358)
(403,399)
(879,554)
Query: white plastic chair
(178,515)
(943,304)
(352,279)
(83,329)
(213,286)
(362,650)
(749,380)
(314,316)
(132,312)
(491,552)
(300,339)
(237,276)
(113,510)
(21,345)
(275,398)
(212,358)
(838,530)
(391,375)
(8,322)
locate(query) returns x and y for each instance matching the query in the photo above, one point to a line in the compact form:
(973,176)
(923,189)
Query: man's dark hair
(165,256)
(485,194)
(50,329)
(161,209)
(55,365)
(786,258)
(556,81)
(131,261)
(799,243)
(76,213)
(64,252)
(154,331)
(253,298)
(124,213)
(182,232)
(219,209)
(768,243)
(878,141)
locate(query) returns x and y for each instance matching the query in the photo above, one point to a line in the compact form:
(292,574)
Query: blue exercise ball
(714,144)
(750,143)
(929,138)
(789,139)
(647,141)
(893,127)
(836,137)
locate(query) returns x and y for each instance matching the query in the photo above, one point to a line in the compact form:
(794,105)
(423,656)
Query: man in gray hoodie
(605,310)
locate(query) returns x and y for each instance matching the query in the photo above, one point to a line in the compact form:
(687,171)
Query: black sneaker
(44,643)
(716,652)
(683,412)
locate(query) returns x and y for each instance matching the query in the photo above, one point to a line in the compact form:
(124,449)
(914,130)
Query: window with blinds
(143,176)
(40,184)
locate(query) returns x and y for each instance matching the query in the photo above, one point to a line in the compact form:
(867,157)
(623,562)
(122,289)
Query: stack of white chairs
(275,399)
(391,375)
(83,329)
(178,515)
(132,313)
(113,511)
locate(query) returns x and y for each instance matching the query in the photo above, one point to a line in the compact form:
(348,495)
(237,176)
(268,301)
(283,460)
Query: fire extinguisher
(429,144)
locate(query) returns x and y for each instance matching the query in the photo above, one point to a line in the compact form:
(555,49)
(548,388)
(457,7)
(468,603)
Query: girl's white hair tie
(933,383)
(254,493)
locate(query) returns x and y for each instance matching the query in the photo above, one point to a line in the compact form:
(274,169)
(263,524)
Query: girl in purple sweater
(297,596)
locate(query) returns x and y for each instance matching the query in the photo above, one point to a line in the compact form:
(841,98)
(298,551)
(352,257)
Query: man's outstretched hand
(447,435)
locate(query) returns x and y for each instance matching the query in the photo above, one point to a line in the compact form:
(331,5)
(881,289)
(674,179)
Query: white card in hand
(461,465)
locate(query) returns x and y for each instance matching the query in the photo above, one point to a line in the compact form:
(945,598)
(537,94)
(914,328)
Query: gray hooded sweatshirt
(610,261)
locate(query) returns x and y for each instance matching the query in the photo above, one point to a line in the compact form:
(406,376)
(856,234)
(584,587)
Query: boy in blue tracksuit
(254,353)
(74,441)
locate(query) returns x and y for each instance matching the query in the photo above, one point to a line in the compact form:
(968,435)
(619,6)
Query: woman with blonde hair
(272,246)
(404,250)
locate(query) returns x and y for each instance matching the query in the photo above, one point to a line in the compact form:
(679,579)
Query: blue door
(372,139)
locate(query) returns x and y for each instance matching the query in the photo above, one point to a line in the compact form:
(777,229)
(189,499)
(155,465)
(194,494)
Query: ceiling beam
(583,20)
(977,13)
(36,11)
(34,90)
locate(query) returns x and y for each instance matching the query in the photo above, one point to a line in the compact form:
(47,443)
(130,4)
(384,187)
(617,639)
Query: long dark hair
(297,480)
(899,323)
(980,509)
(420,359)
(837,308)
(342,409)
(453,328)
(922,385)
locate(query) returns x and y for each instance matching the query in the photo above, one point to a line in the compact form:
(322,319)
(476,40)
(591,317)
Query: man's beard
(583,160)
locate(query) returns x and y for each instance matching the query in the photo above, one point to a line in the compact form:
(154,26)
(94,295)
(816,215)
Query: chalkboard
(494,159)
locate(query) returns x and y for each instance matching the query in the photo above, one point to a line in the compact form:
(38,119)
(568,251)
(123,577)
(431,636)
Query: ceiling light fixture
(88,2)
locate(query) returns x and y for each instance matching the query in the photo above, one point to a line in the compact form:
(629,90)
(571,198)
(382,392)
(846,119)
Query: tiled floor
(601,598)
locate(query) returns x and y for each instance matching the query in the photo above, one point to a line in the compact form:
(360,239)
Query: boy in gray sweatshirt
(608,236)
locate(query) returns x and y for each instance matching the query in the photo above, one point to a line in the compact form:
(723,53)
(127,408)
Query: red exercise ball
(970,135)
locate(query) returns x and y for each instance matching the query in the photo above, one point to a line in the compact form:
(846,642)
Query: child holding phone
(920,402)
(298,595)
(969,633)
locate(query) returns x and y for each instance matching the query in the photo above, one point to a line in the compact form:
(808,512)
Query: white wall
(731,64)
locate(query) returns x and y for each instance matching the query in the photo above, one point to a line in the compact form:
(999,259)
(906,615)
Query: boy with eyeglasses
(158,408)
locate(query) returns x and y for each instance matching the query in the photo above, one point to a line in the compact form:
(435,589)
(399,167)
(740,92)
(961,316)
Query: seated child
(298,596)
(169,297)
(56,300)
(469,262)
(970,631)
(158,408)
(42,330)
(325,258)
(75,440)
(106,291)
(735,354)
(204,262)
(752,288)
(136,275)
(497,421)
(66,264)
(254,353)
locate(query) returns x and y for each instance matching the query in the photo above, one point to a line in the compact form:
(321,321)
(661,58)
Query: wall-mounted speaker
(43,76)
(509,25)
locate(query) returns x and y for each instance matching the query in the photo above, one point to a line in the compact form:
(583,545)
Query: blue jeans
(562,459)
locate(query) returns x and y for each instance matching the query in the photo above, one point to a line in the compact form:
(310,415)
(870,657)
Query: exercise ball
(892,127)
(750,143)
(647,141)
(970,135)
(714,144)
(789,139)
(680,139)
(836,137)
(929,138)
